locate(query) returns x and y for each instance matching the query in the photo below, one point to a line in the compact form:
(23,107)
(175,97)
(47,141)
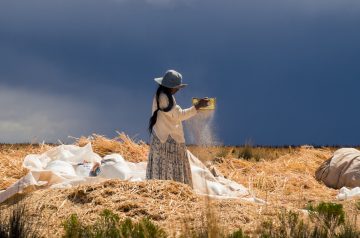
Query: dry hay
(131,151)
(208,153)
(171,205)
(11,159)
(286,181)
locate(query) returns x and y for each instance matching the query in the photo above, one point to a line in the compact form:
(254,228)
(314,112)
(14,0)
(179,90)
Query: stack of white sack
(69,165)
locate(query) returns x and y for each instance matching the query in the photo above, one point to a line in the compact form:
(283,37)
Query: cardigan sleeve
(177,112)
(184,114)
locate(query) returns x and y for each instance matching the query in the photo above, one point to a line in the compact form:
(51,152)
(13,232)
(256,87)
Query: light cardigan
(170,123)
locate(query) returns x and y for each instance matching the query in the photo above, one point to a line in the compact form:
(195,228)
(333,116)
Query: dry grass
(284,177)
(11,159)
(288,180)
(206,153)
(131,151)
(169,204)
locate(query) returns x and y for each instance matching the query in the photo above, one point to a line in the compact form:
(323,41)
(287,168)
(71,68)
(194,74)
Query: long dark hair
(167,92)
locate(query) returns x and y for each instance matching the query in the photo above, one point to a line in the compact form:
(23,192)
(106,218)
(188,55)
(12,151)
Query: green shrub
(146,229)
(290,226)
(74,228)
(331,214)
(237,234)
(199,233)
(327,220)
(109,225)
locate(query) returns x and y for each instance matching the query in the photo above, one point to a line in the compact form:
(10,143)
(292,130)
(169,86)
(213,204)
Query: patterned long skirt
(168,161)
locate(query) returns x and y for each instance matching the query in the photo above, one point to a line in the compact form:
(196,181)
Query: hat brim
(181,86)
(159,81)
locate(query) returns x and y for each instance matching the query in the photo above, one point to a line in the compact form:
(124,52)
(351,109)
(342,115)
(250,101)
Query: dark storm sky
(283,71)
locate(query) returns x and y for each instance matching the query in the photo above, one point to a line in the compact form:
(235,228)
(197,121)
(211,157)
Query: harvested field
(285,180)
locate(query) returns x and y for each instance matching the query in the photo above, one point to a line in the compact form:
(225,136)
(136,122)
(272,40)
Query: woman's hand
(203,102)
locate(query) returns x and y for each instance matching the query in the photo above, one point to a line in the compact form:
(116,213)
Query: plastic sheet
(346,193)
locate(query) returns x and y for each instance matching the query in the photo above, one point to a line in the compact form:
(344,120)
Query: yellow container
(211,105)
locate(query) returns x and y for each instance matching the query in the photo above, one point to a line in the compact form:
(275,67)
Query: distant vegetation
(247,152)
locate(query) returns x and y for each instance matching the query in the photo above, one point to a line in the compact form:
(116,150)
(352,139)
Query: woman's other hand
(203,102)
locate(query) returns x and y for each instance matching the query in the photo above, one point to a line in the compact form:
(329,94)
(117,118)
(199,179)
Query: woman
(168,154)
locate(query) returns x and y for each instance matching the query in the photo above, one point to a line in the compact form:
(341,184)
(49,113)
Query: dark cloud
(284,72)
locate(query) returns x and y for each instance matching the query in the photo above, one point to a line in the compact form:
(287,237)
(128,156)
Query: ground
(283,177)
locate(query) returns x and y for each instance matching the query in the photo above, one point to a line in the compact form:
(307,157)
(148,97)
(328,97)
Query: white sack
(346,193)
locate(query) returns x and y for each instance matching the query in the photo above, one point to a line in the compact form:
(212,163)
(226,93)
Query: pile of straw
(170,204)
(11,159)
(131,151)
